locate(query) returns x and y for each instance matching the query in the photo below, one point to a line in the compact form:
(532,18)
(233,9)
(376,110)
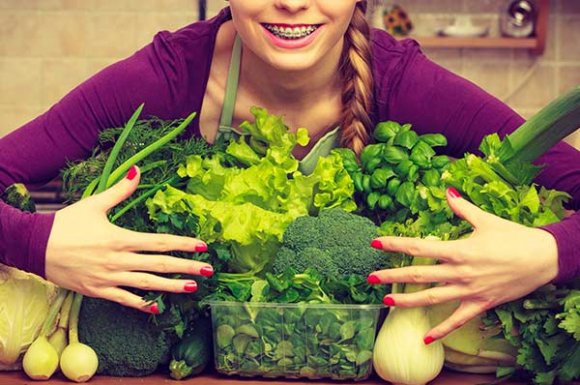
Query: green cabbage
(24,303)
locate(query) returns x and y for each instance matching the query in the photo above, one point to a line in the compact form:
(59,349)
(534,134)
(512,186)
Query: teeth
(291,33)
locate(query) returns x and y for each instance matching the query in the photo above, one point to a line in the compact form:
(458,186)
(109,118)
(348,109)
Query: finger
(467,210)
(152,282)
(433,296)
(413,274)
(466,312)
(160,264)
(118,192)
(427,248)
(135,241)
(125,298)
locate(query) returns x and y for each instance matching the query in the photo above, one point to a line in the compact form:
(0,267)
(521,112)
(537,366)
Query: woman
(314,62)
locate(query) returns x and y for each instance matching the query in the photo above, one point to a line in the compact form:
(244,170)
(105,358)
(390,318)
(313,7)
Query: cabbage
(24,303)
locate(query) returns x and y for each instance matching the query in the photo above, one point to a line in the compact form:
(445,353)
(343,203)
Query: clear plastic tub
(294,340)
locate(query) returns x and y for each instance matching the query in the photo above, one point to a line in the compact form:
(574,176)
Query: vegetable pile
(533,338)
(291,255)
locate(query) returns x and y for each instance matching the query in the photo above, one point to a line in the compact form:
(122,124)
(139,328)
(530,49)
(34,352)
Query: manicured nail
(388,301)
(376,244)
(200,248)
(154,309)
(190,287)
(373,279)
(132,173)
(427,340)
(206,271)
(453,192)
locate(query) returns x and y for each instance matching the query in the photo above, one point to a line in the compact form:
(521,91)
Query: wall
(49,46)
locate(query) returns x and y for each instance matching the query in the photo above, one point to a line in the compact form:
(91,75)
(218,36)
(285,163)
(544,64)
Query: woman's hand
(500,262)
(88,254)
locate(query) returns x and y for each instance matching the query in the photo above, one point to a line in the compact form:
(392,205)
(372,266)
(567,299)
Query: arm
(435,100)
(36,152)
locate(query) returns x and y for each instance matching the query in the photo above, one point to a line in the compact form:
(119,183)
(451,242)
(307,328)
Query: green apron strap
(226,119)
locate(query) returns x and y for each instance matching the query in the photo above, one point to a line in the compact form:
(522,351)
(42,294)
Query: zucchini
(192,354)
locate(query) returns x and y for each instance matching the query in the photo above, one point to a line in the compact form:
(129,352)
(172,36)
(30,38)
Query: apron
(322,148)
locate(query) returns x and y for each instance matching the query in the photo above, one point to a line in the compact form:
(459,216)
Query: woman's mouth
(291,32)
(291,36)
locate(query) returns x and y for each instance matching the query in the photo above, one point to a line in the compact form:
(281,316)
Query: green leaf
(406,194)
(395,155)
(386,130)
(380,177)
(421,154)
(225,335)
(434,140)
(531,200)
(406,139)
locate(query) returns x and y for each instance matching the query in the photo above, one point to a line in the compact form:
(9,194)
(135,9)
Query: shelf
(535,44)
(446,378)
(476,42)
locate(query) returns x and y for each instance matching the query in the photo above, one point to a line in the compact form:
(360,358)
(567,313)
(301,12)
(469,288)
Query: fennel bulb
(400,355)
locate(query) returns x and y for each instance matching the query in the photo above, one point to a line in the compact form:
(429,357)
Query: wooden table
(447,378)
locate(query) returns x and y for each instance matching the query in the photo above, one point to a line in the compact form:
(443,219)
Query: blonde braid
(357,94)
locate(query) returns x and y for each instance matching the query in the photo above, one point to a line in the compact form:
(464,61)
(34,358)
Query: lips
(291,36)
(291,32)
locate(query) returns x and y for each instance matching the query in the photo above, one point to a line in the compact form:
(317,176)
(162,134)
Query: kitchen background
(49,46)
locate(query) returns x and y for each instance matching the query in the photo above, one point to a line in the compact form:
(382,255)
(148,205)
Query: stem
(53,313)
(117,149)
(65,311)
(151,166)
(123,168)
(90,188)
(73,329)
(142,198)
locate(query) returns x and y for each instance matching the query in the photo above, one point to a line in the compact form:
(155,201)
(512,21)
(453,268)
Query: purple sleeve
(435,100)
(34,153)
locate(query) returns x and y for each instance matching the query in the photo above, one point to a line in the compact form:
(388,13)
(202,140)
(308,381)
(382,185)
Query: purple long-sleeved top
(170,76)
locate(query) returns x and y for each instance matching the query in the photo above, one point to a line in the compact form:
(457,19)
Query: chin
(292,62)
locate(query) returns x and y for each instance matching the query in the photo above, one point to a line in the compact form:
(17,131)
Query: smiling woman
(318,63)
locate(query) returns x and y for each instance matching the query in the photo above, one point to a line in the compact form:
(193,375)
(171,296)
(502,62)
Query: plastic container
(294,340)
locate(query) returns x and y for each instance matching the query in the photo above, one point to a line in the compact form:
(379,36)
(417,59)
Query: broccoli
(127,343)
(336,243)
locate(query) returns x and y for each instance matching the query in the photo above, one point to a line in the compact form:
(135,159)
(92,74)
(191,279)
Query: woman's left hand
(500,262)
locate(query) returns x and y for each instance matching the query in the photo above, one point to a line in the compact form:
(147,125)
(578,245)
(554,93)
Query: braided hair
(357,93)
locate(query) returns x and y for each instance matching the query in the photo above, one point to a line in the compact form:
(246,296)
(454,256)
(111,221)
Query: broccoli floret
(127,343)
(335,243)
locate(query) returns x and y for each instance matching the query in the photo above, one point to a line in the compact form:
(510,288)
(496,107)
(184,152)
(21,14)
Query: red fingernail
(201,248)
(206,271)
(376,244)
(190,287)
(132,173)
(427,340)
(453,192)
(154,309)
(388,301)
(373,279)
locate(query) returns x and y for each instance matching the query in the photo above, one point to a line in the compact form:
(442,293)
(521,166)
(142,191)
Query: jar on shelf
(518,19)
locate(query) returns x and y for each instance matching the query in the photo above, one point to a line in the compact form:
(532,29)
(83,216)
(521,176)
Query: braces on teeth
(291,33)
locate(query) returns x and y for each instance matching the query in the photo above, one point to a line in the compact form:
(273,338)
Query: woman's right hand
(88,254)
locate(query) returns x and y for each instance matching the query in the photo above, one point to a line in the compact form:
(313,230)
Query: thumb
(119,192)
(465,209)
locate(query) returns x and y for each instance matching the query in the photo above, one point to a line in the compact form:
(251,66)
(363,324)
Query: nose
(293,6)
